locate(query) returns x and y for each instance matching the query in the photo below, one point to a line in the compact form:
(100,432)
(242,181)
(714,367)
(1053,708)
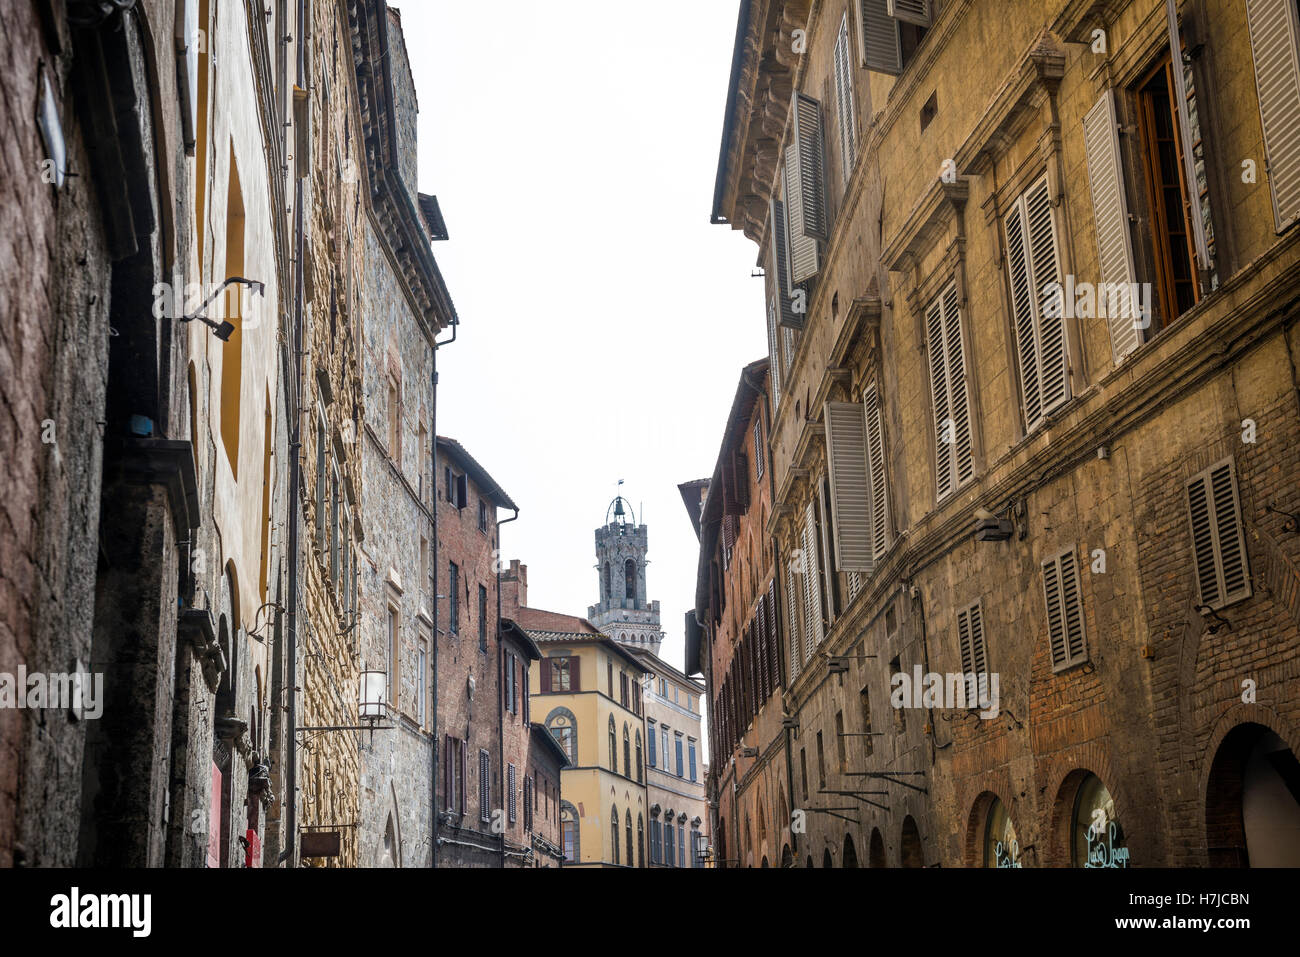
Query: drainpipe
(433,489)
(501,664)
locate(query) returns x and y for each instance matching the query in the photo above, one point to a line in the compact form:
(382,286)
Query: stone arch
(1061,835)
(876,850)
(563,724)
(629,579)
(787,858)
(976,823)
(910,850)
(570,823)
(827,861)
(1251,814)
(849,858)
(613,833)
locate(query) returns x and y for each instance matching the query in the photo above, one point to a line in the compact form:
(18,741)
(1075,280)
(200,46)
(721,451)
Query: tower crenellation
(623,611)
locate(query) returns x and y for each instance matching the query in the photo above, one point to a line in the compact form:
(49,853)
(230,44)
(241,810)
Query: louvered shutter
(1064,600)
(811,213)
(1110,220)
(880,42)
(575,674)
(801,251)
(848,122)
(779,229)
(510,791)
(939,390)
(1218,539)
(811,584)
(954,459)
(978,649)
(464,777)
(1275,46)
(774,353)
(846,460)
(793,631)
(1040,338)
(740,475)
(876,471)
(545,675)
(774,629)
(911,11)
(760,649)
(964,640)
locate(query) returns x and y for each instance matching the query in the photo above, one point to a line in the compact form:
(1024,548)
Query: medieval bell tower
(623,612)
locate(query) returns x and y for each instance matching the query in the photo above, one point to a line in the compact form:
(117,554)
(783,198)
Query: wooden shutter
(463,765)
(575,673)
(812,599)
(1218,536)
(911,11)
(774,633)
(1110,220)
(462,491)
(1040,339)
(876,472)
(970,634)
(448,762)
(811,211)
(879,39)
(1275,46)
(792,632)
(774,353)
(510,791)
(1066,639)
(848,122)
(545,675)
(801,250)
(846,461)
(779,229)
(954,458)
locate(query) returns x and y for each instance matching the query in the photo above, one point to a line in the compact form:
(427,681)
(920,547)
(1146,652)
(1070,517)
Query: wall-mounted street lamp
(223,329)
(372,706)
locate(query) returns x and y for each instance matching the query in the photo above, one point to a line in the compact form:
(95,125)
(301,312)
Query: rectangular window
(670,848)
(848,123)
(1064,598)
(482,618)
(424,561)
(650,737)
(321,479)
(453,598)
(394,422)
(821,762)
(803,771)
(974,656)
(691,751)
(510,792)
(1275,49)
(954,458)
(394,644)
(681,767)
(663,740)
(508,693)
(841,748)
(462,491)
(864,697)
(528,803)
(623,689)
(1035,276)
(559,675)
(421,682)
(482,515)
(759,454)
(1171,230)
(423,450)
(891,30)
(1218,539)
(484,785)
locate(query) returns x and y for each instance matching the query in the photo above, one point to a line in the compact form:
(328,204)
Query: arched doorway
(850,858)
(1252,812)
(764,864)
(876,851)
(787,858)
(826,858)
(910,851)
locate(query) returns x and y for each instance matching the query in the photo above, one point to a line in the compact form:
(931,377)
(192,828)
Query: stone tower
(623,613)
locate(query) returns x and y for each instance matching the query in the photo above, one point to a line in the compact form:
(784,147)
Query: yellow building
(587,693)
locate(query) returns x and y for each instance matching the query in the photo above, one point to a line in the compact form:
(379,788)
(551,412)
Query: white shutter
(1110,220)
(781,264)
(812,604)
(881,45)
(808,147)
(1275,46)
(801,252)
(1066,639)
(844,100)
(876,473)
(1040,338)
(774,353)
(912,11)
(793,631)
(846,461)
(954,456)
(1218,540)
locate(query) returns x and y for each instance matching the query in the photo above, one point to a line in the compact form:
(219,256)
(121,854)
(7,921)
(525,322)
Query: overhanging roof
(477,472)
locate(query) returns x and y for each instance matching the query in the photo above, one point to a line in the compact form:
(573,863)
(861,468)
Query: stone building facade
(1032,298)
(163,458)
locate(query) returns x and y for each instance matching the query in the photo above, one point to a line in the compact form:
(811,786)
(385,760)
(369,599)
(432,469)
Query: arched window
(613,833)
(608,593)
(762,828)
(639,773)
(640,840)
(627,766)
(563,726)
(613,746)
(569,831)
(1098,838)
(631,857)
(629,579)
(910,852)
(1001,847)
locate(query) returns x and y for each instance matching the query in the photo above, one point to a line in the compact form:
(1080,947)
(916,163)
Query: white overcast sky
(604,322)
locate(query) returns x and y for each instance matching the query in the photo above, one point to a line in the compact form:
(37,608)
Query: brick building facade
(983,468)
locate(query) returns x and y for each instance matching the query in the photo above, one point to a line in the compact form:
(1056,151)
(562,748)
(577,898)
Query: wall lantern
(374,689)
